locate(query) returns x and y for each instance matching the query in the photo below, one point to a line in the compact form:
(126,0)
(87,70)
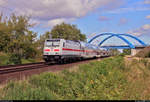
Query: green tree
(18,33)
(68,32)
(114,52)
(40,42)
(4,33)
(16,38)
(30,45)
(127,51)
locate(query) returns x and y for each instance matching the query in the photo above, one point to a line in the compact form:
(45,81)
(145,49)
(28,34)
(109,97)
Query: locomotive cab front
(52,49)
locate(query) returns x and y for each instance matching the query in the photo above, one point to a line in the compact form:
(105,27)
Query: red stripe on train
(47,50)
(66,49)
(56,50)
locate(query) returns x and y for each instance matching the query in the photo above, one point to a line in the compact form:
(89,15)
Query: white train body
(60,50)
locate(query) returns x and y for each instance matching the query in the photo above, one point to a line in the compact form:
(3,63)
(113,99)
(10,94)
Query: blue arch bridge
(134,48)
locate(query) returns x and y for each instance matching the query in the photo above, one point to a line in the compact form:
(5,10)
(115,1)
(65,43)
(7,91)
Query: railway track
(13,72)
(23,67)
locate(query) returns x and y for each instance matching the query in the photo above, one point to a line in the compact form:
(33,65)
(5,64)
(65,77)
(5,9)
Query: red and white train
(62,51)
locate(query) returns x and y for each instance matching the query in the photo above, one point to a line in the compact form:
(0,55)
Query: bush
(149,54)
(15,59)
(4,58)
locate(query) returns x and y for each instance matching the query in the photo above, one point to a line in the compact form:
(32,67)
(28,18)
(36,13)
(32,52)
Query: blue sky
(91,16)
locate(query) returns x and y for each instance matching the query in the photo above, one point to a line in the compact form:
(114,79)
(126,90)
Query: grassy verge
(110,79)
(25,61)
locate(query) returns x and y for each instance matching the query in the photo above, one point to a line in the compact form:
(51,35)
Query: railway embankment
(115,78)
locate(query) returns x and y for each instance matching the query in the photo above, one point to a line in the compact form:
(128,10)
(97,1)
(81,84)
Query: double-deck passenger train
(62,51)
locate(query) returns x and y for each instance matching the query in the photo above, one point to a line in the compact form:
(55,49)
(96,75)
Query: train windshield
(52,43)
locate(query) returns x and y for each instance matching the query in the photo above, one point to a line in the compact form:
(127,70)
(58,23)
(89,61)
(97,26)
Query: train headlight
(56,53)
(46,53)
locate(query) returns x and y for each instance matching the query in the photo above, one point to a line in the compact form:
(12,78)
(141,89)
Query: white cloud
(147,1)
(146,26)
(55,22)
(54,12)
(104,18)
(130,9)
(2,2)
(148,17)
(143,30)
(123,21)
(57,11)
(34,22)
(52,9)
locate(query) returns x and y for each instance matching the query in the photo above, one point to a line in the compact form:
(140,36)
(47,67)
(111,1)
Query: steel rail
(18,68)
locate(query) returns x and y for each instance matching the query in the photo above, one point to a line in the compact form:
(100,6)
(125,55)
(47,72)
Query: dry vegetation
(144,53)
(138,76)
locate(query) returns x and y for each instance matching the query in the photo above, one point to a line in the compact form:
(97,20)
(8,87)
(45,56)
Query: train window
(63,44)
(53,40)
(56,43)
(52,43)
